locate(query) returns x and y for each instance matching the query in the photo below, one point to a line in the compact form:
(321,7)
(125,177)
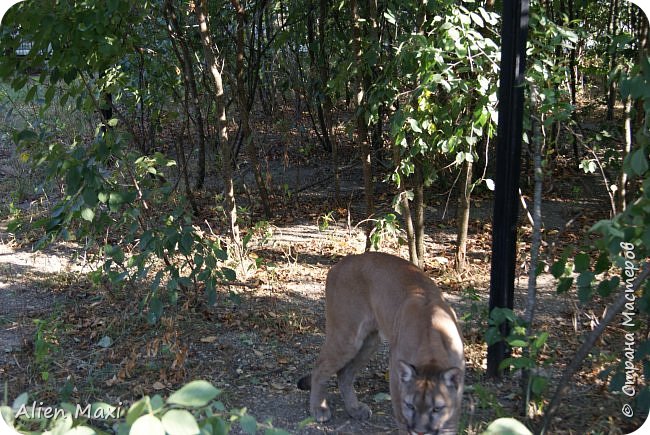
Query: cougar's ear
(451,377)
(406,372)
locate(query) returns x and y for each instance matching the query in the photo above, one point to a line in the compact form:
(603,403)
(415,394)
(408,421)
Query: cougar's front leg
(317,400)
(356,409)
(329,362)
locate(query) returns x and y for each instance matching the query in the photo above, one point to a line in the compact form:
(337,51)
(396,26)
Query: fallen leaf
(278,386)
(105,342)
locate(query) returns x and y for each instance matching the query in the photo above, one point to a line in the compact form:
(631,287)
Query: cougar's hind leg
(356,409)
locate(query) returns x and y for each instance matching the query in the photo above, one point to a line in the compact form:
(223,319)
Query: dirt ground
(64,338)
(263,336)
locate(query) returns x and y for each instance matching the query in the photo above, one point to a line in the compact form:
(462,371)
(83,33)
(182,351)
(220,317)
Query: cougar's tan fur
(375,294)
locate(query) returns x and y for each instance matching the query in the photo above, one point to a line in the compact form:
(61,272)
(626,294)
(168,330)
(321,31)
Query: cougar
(375,295)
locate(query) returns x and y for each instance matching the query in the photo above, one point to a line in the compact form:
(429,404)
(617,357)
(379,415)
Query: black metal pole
(514,33)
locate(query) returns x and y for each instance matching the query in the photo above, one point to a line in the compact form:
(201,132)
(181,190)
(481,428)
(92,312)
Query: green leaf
(517,363)
(304,423)
(195,394)
(499,315)
(638,162)
(221,427)
(517,342)
(81,430)
(102,409)
(186,242)
(156,402)
(617,381)
(558,268)
(116,199)
(218,252)
(248,424)
(136,410)
(229,274)
(20,401)
(155,310)
(454,34)
(180,422)
(26,136)
(31,93)
(114,252)
(642,350)
(606,287)
(643,400)
(390,17)
(538,385)
(585,292)
(49,94)
(147,425)
(492,336)
(247,239)
(88,214)
(539,341)
(602,264)
(585,279)
(414,125)
(234,297)
(581,262)
(564,284)
(90,197)
(477,19)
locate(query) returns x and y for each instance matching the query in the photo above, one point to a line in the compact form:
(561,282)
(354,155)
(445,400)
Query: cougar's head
(430,399)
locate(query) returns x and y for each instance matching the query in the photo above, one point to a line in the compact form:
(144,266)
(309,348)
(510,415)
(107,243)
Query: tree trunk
(372,73)
(421,16)
(185,59)
(220,103)
(180,151)
(317,88)
(573,83)
(463,217)
(405,209)
(418,205)
(621,191)
(323,72)
(535,245)
(644,39)
(362,126)
(244,120)
(611,92)
(410,229)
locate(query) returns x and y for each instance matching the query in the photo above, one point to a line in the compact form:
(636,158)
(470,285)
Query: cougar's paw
(360,412)
(321,414)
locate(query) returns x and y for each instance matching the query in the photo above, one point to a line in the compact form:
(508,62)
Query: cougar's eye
(409,406)
(437,409)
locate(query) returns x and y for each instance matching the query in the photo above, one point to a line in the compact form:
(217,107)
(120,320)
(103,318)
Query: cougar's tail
(304,383)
